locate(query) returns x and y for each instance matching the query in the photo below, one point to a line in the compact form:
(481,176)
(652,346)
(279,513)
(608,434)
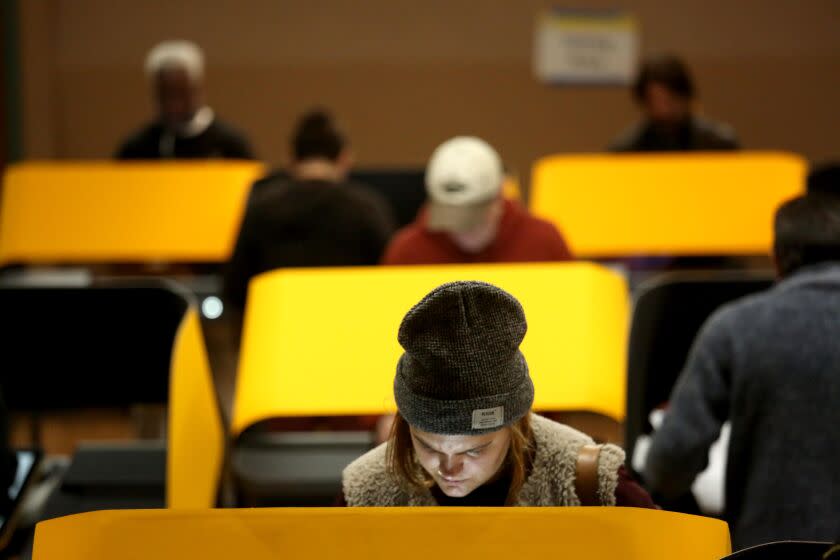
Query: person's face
(483,235)
(178,97)
(663,106)
(460,464)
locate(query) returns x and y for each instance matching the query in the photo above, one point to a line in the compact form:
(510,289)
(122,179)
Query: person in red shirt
(467,220)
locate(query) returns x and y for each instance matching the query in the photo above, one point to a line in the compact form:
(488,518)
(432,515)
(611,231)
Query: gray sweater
(770,363)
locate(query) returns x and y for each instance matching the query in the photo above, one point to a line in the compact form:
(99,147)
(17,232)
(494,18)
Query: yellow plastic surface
(123,212)
(324,341)
(688,204)
(383,534)
(511,188)
(196,435)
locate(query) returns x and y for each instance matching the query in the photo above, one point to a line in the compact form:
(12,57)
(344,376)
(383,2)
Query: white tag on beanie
(486,418)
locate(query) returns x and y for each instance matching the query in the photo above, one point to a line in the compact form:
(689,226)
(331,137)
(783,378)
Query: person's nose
(451,466)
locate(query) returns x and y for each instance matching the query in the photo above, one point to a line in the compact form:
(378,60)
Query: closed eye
(476,452)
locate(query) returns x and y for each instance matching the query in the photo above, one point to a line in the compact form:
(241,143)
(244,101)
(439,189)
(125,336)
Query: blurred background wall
(404,75)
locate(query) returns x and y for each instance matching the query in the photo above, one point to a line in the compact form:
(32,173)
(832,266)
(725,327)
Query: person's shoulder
(732,319)
(715,134)
(273,177)
(141,142)
(367,482)
(411,244)
(540,224)
(628,139)
(410,234)
(271,190)
(272,200)
(364,194)
(371,204)
(225,129)
(534,226)
(372,462)
(151,129)
(557,449)
(556,437)
(234,141)
(549,431)
(275,181)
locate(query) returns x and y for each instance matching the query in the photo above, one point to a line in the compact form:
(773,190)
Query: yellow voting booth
(383,533)
(196,438)
(92,212)
(614,205)
(322,342)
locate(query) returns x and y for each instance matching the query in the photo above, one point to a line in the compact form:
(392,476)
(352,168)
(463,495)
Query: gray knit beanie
(462,372)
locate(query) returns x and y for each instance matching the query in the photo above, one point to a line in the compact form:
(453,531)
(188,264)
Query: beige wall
(404,75)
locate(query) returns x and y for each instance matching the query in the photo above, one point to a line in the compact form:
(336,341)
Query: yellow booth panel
(686,204)
(511,188)
(324,341)
(383,534)
(123,212)
(196,434)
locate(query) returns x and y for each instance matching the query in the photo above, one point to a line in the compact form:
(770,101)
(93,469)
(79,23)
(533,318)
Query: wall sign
(585,47)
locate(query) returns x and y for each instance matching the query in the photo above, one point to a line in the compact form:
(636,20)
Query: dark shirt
(219,140)
(695,133)
(307,224)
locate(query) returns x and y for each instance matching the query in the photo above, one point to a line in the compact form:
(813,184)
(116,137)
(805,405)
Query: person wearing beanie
(464,433)
(467,220)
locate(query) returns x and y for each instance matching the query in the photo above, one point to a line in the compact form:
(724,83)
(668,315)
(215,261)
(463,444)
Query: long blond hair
(402,462)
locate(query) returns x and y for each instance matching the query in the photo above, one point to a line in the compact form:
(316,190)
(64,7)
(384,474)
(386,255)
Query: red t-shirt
(521,238)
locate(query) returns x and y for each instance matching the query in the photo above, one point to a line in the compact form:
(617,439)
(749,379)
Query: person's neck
(318,170)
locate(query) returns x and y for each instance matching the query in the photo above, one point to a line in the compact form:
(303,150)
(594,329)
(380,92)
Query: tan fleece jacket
(366,481)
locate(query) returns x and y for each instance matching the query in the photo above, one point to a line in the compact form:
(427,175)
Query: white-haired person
(185,127)
(464,434)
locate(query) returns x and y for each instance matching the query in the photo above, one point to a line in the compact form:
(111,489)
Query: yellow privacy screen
(383,534)
(324,341)
(196,435)
(123,212)
(686,204)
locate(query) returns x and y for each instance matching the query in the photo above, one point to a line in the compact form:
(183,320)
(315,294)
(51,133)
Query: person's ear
(345,162)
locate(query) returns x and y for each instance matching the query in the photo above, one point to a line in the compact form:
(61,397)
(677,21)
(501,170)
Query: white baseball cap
(463,179)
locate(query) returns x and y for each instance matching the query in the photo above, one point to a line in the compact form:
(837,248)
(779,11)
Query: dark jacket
(770,363)
(696,133)
(307,224)
(219,140)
